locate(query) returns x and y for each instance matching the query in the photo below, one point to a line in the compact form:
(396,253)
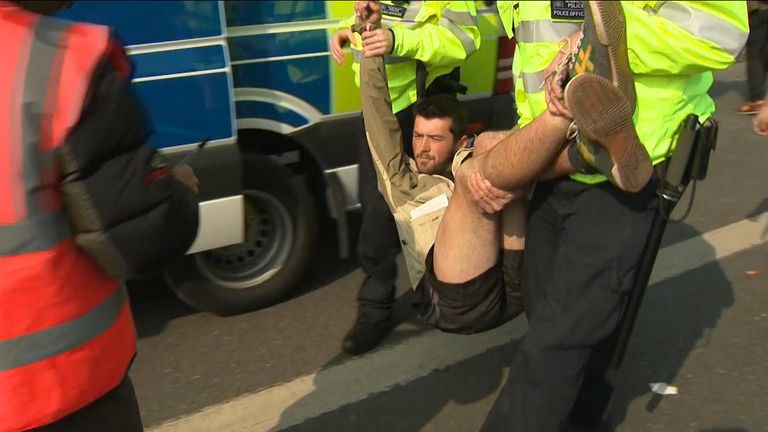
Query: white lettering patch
(437,203)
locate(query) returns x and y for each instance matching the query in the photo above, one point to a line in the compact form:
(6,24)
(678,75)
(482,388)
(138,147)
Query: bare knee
(482,146)
(488,140)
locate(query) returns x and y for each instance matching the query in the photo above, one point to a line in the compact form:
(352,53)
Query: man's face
(434,144)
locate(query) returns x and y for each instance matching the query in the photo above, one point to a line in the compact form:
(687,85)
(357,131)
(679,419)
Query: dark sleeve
(129,212)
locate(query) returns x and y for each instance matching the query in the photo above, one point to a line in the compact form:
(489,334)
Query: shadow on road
(722,88)
(410,406)
(676,319)
(154,305)
(405,407)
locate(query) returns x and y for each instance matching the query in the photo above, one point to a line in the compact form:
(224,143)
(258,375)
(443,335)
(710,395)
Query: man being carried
(474,295)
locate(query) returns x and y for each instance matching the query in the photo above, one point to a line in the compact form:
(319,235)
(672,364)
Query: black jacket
(129,212)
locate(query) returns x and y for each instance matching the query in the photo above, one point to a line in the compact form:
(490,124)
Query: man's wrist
(391,50)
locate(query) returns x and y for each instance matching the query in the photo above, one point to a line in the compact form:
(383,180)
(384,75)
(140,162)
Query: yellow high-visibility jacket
(674,46)
(440,34)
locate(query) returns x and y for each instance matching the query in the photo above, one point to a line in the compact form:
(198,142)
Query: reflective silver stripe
(532,81)
(705,26)
(357,55)
(37,89)
(412,11)
(650,10)
(44,344)
(386,23)
(396,60)
(544,31)
(34,234)
(466,40)
(463,18)
(41,228)
(655,7)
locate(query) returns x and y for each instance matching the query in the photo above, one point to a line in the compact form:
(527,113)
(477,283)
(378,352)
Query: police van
(257,80)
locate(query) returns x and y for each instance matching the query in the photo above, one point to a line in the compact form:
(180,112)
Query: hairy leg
(468,240)
(513,225)
(521,157)
(560,167)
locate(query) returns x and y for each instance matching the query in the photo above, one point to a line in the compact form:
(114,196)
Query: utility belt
(688,163)
(690,160)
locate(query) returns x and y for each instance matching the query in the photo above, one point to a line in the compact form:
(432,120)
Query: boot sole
(610,25)
(603,116)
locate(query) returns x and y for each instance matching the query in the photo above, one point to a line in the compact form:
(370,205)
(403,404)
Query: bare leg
(522,156)
(514,219)
(468,240)
(513,225)
(514,214)
(560,167)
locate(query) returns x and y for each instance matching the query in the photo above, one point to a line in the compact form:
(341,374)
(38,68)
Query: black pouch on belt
(690,160)
(706,142)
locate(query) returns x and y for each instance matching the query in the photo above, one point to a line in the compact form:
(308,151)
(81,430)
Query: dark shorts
(482,303)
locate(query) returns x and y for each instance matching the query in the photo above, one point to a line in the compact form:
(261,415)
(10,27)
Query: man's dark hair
(444,106)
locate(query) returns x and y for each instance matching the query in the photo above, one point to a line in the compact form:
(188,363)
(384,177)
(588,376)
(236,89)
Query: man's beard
(427,164)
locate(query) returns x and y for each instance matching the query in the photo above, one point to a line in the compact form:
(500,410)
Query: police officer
(584,236)
(431,37)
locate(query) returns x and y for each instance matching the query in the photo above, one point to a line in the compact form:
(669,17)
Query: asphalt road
(702,329)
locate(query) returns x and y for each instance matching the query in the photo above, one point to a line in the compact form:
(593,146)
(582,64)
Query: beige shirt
(417,201)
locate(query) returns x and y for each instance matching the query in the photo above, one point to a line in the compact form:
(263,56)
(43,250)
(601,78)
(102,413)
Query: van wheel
(280,226)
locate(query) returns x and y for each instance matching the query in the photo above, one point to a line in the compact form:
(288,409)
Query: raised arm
(382,129)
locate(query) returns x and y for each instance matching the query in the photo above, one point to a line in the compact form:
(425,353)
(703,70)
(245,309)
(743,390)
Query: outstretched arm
(382,129)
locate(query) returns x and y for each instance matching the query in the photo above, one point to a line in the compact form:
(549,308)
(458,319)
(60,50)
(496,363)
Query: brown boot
(601,97)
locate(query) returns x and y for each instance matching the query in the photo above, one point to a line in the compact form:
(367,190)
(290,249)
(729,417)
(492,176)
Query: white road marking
(290,403)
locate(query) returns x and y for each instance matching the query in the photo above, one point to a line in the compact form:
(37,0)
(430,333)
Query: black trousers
(583,245)
(116,411)
(757,54)
(378,243)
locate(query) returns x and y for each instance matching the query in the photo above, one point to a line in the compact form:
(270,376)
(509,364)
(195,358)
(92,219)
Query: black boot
(370,328)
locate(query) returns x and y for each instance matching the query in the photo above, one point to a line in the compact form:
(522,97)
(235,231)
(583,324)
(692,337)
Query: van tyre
(280,228)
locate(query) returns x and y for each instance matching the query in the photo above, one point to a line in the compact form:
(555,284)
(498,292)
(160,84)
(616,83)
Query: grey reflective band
(357,55)
(463,18)
(34,234)
(412,11)
(466,40)
(705,26)
(38,346)
(655,8)
(387,23)
(544,31)
(532,81)
(37,89)
(40,229)
(396,59)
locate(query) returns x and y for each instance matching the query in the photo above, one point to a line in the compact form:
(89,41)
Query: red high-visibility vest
(66,332)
